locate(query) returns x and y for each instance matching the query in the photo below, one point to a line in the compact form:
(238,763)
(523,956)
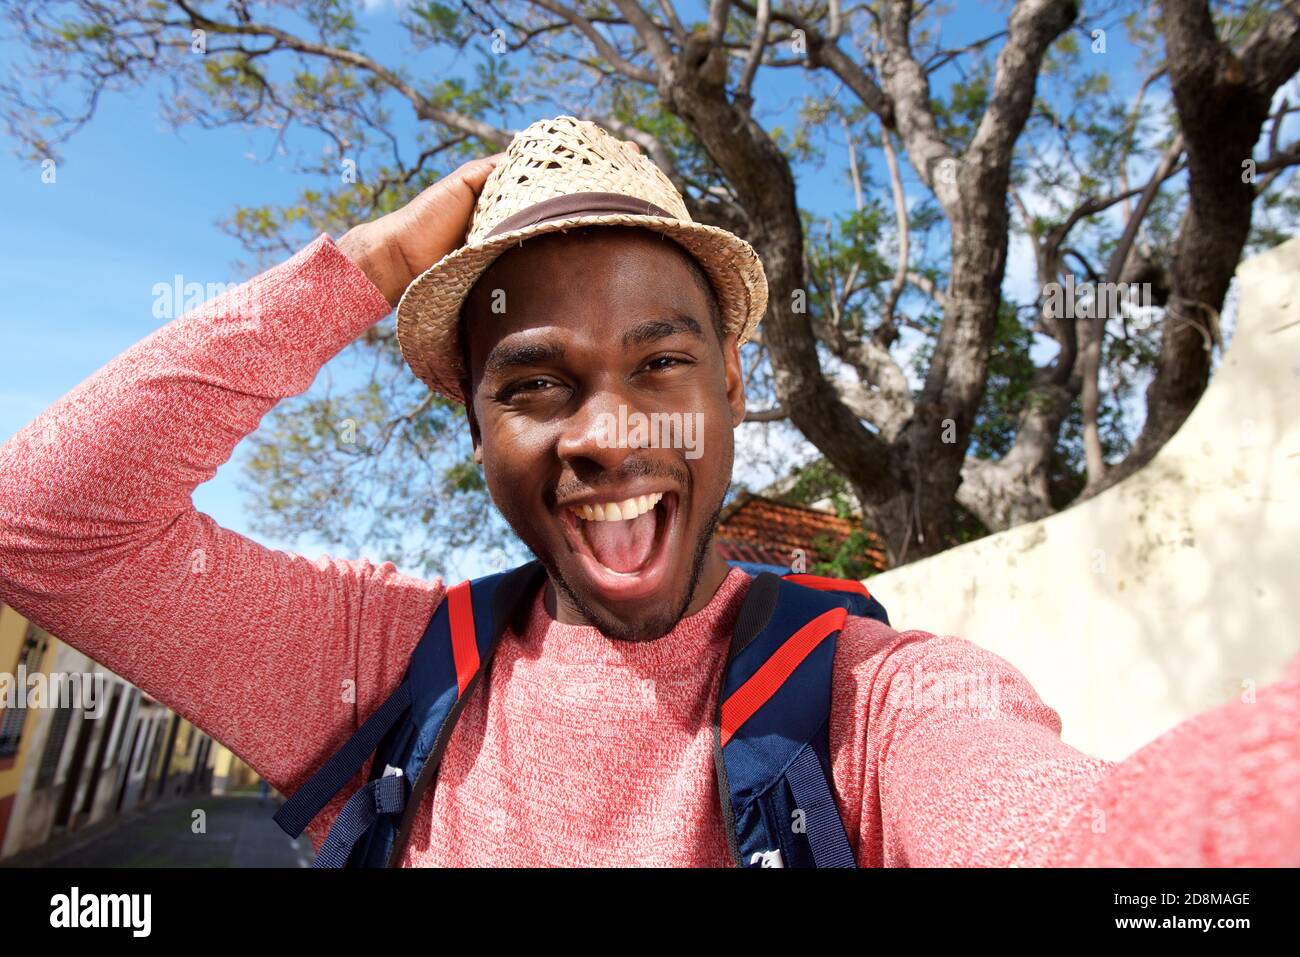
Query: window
(130,726)
(53,747)
(147,727)
(29,662)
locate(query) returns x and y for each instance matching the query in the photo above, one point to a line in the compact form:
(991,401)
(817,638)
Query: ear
(735,379)
(475,435)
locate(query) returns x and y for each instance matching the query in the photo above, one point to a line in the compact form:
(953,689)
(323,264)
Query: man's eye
(659,363)
(527,386)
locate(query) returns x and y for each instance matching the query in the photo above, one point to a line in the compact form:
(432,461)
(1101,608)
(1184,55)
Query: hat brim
(428,313)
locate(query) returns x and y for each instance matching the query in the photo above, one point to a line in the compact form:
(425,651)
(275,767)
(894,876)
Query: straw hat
(559,174)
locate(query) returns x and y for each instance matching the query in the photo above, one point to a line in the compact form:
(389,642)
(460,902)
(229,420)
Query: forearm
(972,771)
(966,785)
(1221,789)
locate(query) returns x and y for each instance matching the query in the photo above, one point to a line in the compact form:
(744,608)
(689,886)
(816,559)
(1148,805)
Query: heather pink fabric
(577,749)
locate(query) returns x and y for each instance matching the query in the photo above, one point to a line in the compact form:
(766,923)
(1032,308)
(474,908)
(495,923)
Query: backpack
(859,601)
(770,738)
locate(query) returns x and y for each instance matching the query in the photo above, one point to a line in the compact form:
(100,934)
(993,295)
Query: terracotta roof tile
(759,529)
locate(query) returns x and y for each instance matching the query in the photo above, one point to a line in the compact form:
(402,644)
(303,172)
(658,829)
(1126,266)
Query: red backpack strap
(829,584)
(771,738)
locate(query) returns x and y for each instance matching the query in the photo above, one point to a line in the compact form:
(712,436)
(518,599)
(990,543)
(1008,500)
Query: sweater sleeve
(971,771)
(274,655)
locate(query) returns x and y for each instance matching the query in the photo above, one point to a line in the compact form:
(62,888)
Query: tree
(1223,97)
(892,342)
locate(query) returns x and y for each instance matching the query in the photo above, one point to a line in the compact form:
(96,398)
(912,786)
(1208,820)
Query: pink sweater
(578,749)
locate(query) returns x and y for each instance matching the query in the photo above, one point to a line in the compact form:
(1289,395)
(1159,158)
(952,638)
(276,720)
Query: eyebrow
(653,329)
(505,357)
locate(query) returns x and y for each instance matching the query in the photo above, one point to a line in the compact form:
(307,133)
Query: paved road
(238,832)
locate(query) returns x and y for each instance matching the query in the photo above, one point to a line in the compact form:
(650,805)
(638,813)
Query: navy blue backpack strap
(860,601)
(857,598)
(754,569)
(308,801)
(771,734)
(407,734)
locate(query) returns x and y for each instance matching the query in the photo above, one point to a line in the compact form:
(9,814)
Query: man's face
(602,406)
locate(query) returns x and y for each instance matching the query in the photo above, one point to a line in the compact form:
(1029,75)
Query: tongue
(622,546)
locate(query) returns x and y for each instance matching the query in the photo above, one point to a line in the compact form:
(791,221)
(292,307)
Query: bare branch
(1163,171)
(423,108)
(1130,130)
(823,51)
(674,24)
(755,50)
(926,286)
(908,86)
(649,33)
(900,215)
(777,414)
(603,46)
(719,11)
(1278,161)
(1034,25)
(942,59)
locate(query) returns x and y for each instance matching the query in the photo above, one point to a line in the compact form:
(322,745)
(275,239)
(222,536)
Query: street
(238,832)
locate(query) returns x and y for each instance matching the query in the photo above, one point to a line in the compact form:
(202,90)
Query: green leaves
(436,19)
(1011,373)
(382,466)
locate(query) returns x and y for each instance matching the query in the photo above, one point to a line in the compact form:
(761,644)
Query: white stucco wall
(1173,592)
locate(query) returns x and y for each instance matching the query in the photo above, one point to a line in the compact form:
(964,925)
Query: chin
(656,568)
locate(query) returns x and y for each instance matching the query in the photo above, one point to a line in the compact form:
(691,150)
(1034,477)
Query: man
(589,742)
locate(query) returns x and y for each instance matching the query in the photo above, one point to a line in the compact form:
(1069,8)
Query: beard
(646,629)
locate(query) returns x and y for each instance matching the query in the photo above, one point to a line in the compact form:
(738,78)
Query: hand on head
(396,248)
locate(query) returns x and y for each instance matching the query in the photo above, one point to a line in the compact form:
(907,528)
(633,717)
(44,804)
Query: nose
(597,431)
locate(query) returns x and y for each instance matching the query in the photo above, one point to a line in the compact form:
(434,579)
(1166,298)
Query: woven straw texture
(559,157)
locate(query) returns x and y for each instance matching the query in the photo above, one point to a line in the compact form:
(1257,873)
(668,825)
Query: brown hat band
(571,205)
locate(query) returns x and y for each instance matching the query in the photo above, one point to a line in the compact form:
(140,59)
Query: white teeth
(617,511)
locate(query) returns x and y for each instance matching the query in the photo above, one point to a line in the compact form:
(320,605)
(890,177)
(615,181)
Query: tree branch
(603,46)
(423,108)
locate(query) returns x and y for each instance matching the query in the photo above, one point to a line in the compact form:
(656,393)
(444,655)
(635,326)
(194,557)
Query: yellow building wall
(13,630)
(229,772)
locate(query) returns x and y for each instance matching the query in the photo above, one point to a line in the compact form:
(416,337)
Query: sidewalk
(239,832)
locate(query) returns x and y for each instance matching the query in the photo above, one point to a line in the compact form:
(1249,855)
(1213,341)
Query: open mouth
(623,545)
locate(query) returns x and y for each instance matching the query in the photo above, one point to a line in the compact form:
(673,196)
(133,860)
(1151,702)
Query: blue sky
(136,203)
(133,204)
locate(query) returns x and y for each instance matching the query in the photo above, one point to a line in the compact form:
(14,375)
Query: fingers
(472,174)
(475,173)
(460,188)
